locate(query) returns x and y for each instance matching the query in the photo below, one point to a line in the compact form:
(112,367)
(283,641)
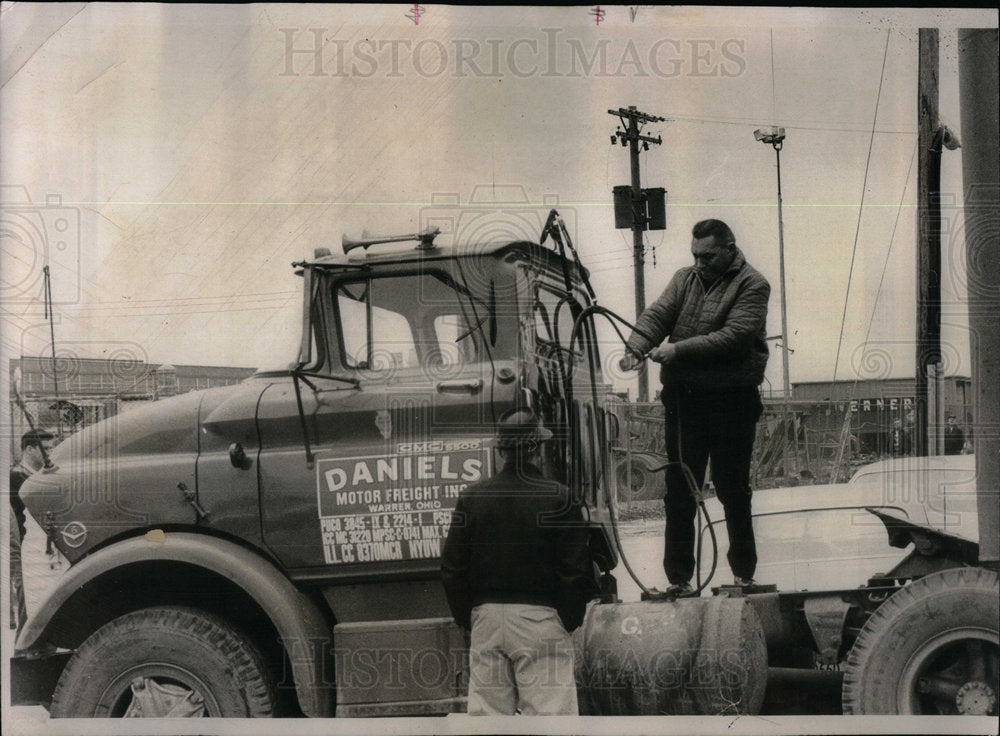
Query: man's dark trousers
(720,424)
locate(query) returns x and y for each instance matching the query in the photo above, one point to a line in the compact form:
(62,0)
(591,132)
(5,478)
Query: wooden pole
(928,338)
(978,89)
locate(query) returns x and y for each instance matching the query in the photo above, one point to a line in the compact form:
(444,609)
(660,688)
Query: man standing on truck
(35,444)
(714,316)
(517,572)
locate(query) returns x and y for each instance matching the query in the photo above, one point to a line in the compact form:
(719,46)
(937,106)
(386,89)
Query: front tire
(933,648)
(161,662)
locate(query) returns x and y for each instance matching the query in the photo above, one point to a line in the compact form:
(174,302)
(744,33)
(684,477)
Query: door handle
(460,387)
(238,457)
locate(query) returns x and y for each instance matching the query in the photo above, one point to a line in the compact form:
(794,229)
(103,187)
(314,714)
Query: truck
(271,548)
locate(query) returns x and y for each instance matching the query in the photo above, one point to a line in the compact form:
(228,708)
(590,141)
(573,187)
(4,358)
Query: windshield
(422,320)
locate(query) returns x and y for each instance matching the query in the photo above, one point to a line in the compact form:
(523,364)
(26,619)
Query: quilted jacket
(719,330)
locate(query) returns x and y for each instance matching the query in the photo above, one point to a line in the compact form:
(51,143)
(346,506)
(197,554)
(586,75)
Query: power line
(748,122)
(864,188)
(885,264)
(224,297)
(878,293)
(774,112)
(79,317)
(133,310)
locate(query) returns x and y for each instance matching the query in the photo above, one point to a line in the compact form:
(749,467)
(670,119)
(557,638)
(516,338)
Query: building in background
(830,429)
(80,391)
(876,404)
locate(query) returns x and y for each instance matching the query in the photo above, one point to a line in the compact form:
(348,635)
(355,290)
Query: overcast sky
(170,162)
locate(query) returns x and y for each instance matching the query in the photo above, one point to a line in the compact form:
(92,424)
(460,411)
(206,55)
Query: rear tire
(931,649)
(185,651)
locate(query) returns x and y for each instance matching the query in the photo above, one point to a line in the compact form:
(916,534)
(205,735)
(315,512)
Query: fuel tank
(692,656)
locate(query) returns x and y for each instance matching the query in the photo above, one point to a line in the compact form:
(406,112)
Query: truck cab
(299,516)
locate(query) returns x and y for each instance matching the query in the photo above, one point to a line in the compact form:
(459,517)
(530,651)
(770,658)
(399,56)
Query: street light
(775,138)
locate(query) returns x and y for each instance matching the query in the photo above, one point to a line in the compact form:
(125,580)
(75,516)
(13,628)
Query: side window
(420,320)
(454,346)
(393,344)
(352,305)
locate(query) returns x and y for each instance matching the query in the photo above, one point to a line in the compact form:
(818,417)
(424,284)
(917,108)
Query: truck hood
(128,472)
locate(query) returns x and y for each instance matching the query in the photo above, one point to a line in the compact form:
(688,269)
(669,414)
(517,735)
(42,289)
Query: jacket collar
(737,263)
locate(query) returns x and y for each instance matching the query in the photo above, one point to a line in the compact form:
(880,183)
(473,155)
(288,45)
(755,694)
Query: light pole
(775,137)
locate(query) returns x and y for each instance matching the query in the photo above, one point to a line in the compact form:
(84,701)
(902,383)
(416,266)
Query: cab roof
(392,253)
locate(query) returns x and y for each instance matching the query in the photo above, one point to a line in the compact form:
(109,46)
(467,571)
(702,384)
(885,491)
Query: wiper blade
(299,373)
(471,329)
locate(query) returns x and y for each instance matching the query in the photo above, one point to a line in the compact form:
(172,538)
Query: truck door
(392,452)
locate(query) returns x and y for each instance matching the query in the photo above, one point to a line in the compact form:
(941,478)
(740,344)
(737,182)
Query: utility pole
(979,79)
(932,137)
(632,121)
(928,235)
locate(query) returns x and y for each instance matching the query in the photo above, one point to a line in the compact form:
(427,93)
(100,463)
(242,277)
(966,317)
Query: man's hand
(630,361)
(664,353)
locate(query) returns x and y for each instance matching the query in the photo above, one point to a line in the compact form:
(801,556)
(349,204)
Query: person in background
(954,437)
(517,572)
(35,446)
(900,439)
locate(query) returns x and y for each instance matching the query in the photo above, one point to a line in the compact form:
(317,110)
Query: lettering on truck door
(391,455)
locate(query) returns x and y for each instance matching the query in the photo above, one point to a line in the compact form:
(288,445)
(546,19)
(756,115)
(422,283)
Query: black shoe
(680,590)
(745,582)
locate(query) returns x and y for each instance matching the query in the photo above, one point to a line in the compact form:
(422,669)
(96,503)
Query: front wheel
(933,648)
(164,662)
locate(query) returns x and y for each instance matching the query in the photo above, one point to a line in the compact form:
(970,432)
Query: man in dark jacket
(954,437)
(714,314)
(517,572)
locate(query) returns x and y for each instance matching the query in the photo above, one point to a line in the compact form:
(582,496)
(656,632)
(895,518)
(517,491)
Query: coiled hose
(612,317)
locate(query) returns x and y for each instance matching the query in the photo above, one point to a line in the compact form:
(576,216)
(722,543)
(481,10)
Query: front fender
(933,549)
(301,625)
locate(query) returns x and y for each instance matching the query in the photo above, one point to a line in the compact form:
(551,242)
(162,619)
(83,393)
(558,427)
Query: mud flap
(32,679)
